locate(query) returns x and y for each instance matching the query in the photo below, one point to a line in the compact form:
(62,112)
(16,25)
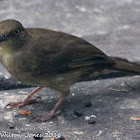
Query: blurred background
(111,25)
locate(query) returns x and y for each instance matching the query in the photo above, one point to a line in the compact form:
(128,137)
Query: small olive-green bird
(48,58)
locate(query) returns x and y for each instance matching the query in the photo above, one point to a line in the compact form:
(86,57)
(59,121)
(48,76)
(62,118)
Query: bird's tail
(126,66)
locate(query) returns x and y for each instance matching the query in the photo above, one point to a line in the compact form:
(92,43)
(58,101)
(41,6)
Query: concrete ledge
(113,103)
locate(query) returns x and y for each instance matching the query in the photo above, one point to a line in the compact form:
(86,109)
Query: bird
(54,59)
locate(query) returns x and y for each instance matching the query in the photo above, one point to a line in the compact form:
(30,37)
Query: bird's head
(12,34)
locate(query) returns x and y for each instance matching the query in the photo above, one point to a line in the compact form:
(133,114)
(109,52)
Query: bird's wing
(62,52)
(88,55)
(75,52)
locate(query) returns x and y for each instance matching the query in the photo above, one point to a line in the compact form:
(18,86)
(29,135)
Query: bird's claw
(21,103)
(38,118)
(41,118)
(13,104)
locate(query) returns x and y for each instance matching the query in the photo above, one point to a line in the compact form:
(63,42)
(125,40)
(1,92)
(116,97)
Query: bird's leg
(51,114)
(26,100)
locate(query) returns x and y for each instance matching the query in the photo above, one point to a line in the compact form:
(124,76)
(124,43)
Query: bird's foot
(51,114)
(21,103)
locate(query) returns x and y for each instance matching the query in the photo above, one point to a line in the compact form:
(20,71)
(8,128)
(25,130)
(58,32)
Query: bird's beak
(2,37)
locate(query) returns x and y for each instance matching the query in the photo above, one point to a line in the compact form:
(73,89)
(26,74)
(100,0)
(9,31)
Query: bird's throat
(5,56)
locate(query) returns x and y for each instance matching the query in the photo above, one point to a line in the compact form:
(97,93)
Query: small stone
(90,119)
(11,126)
(60,138)
(77,114)
(73,94)
(38,138)
(87,104)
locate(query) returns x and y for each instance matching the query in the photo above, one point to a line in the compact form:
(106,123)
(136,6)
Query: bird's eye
(17,32)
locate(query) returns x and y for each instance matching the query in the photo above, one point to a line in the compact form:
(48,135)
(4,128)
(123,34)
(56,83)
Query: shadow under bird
(48,58)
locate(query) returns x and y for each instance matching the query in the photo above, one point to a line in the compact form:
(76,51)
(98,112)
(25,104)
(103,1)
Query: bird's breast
(15,67)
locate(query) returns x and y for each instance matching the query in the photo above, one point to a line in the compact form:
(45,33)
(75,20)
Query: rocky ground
(111,25)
